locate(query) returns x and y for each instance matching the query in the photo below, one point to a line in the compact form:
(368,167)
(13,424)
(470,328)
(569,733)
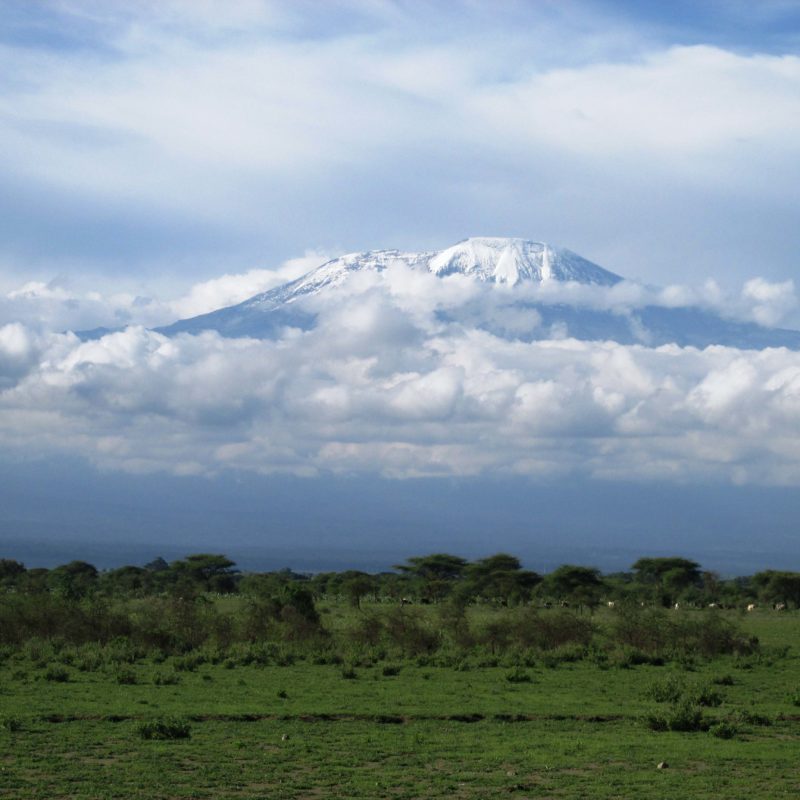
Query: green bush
(670,690)
(683,716)
(750,718)
(189,663)
(166,678)
(723,730)
(706,696)
(11,723)
(518,675)
(164,728)
(673,689)
(125,676)
(57,674)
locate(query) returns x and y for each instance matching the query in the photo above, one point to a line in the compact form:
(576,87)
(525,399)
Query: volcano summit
(550,292)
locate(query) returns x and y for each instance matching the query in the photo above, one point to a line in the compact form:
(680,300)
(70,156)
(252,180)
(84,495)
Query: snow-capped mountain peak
(507,260)
(489,259)
(494,262)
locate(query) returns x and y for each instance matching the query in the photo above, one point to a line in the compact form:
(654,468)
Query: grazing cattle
(751,607)
(780,606)
(611,604)
(405,601)
(713,605)
(676,606)
(564,604)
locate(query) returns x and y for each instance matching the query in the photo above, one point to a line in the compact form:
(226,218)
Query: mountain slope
(490,260)
(513,263)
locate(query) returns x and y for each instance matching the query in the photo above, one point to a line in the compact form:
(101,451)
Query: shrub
(723,730)
(627,656)
(89,662)
(723,680)
(518,675)
(348,673)
(683,716)
(166,678)
(11,724)
(656,722)
(390,670)
(57,674)
(125,676)
(673,690)
(164,728)
(368,630)
(706,696)
(669,690)
(554,630)
(405,630)
(189,663)
(750,718)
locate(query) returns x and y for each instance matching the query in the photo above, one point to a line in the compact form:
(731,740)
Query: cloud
(229,289)
(284,126)
(772,301)
(59,305)
(18,353)
(692,105)
(381,387)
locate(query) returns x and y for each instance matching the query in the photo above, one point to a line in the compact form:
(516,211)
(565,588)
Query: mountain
(514,263)
(486,259)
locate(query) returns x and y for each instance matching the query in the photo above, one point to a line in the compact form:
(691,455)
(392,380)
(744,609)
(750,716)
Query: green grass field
(403,729)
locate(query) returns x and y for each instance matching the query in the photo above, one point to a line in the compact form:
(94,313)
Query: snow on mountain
(514,260)
(510,262)
(490,260)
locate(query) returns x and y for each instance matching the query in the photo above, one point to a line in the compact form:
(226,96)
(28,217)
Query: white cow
(751,607)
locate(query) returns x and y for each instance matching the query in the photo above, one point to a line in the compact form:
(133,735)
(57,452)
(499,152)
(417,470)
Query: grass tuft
(164,728)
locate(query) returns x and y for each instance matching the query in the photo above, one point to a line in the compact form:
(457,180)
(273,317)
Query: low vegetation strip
(288,686)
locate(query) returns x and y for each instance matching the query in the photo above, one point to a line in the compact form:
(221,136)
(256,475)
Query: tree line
(498,579)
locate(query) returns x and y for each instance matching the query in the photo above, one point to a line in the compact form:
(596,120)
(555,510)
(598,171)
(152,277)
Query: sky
(162,159)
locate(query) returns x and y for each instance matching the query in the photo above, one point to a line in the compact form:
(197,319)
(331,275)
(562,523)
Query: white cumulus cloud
(380,387)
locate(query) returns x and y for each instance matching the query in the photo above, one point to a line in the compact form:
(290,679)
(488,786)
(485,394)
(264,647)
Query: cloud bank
(382,385)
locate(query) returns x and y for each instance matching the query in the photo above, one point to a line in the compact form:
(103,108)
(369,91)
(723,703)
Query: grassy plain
(532,727)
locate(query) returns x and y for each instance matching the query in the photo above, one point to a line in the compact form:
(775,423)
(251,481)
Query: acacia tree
(581,586)
(775,586)
(434,574)
(10,571)
(74,580)
(207,571)
(500,576)
(356,585)
(667,578)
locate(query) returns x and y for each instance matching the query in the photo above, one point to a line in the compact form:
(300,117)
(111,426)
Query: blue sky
(153,144)
(162,158)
